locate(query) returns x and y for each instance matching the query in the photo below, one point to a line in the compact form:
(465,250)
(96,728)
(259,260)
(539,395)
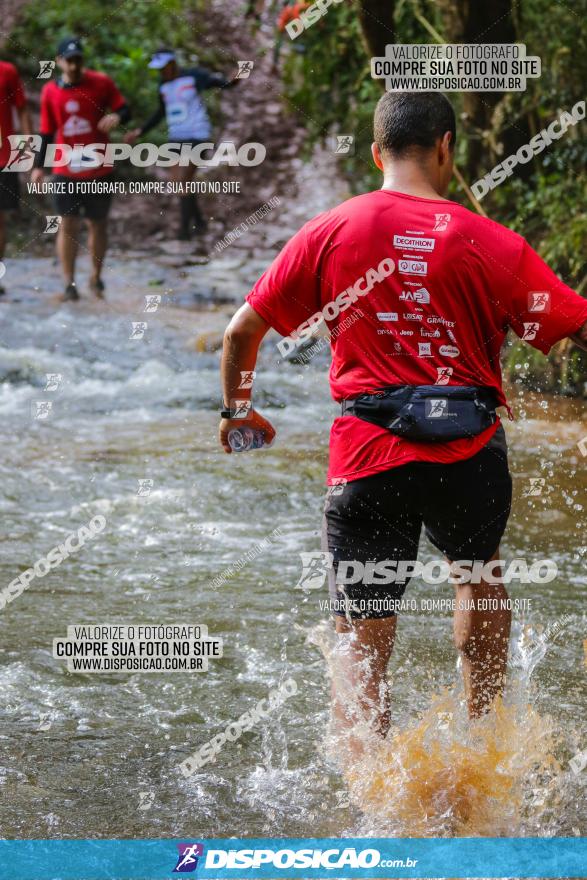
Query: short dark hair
(409,122)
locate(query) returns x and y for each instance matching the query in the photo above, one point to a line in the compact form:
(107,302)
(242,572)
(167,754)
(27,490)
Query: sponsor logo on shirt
(387,316)
(424,349)
(444,374)
(72,106)
(412,316)
(383,332)
(177,112)
(397,348)
(411,242)
(441,221)
(437,319)
(420,296)
(530,330)
(450,351)
(539,301)
(406,333)
(451,335)
(431,334)
(76,125)
(413,267)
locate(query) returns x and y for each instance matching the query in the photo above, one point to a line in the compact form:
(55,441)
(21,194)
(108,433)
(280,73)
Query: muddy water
(98,755)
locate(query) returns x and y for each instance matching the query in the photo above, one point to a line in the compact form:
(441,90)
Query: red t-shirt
(459,281)
(11,95)
(71,115)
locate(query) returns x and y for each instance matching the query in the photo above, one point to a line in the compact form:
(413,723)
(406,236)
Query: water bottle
(244,439)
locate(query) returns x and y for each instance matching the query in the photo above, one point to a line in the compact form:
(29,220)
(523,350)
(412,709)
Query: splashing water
(443,775)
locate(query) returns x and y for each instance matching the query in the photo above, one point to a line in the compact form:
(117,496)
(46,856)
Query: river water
(97,755)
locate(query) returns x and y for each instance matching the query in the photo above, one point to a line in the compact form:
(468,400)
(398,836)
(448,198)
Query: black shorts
(464,508)
(94,205)
(9,191)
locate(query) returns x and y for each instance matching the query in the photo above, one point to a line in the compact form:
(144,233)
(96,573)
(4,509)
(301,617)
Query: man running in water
(181,104)
(12,97)
(80,108)
(433,289)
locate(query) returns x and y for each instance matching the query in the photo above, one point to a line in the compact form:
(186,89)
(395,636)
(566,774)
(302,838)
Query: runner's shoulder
(468,225)
(198,74)
(50,88)
(334,218)
(97,78)
(487,232)
(204,78)
(8,69)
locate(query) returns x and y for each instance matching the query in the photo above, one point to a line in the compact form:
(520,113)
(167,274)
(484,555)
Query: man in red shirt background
(418,293)
(12,97)
(80,108)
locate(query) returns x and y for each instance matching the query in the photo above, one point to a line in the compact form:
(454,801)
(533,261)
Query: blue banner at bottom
(293,858)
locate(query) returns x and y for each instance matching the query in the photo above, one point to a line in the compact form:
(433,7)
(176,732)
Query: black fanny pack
(431,413)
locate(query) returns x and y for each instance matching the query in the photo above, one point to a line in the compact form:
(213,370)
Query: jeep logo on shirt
(413,243)
(413,267)
(450,351)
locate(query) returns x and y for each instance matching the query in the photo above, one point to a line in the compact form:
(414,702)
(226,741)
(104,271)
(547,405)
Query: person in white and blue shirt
(182,105)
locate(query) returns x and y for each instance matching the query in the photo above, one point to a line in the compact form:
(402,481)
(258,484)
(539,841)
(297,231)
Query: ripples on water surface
(129,411)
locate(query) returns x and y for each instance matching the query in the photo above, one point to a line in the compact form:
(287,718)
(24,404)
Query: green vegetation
(545,201)
(328,84)
(118,39)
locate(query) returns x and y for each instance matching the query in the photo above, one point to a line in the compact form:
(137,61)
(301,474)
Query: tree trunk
(376,18)
(489,137)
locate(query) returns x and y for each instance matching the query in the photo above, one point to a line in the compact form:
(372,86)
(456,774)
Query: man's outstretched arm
(580,337)
(242,339)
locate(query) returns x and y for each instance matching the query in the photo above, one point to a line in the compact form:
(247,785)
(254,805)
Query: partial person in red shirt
(12,98)
(289,13)
(82,107)
(418,294)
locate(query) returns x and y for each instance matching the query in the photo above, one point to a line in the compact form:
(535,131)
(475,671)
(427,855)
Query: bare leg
(363,672)
(2,234)
(97,243)
(2,242)
(482,637)
(67,246)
